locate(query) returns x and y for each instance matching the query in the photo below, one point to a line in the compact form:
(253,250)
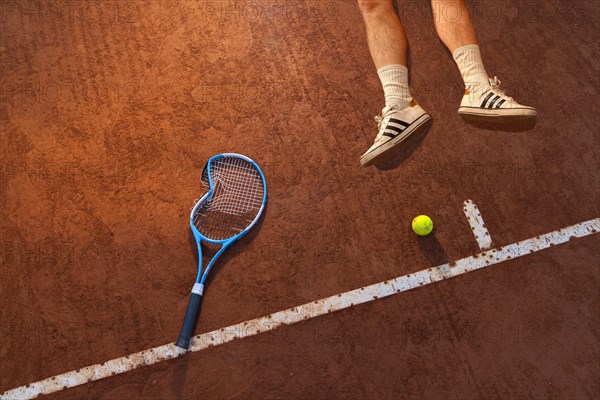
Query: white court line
(484,240)
(305,311)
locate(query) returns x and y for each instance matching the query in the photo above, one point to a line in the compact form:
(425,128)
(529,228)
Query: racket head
(235,200)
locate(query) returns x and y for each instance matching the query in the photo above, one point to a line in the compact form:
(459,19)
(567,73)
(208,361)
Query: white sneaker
(490,103)
(394,125)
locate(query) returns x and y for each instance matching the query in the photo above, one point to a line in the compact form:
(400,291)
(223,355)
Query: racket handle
(189,323)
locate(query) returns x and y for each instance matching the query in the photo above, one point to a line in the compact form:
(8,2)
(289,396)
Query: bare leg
(453,23)
(385,33)
(483,98)
(402,116)
(388,44)
(454,27)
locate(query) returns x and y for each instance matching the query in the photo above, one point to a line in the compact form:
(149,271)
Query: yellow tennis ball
(422,225)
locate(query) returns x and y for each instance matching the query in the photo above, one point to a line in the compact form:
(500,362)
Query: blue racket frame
(201,277)
(198,288)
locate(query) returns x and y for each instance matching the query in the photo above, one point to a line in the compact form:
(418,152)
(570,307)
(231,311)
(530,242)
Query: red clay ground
(109,110)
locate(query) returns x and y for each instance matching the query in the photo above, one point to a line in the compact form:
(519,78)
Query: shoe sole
(384,151)
(497,115)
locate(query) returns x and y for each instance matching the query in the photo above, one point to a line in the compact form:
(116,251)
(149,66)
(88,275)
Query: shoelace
(495,88)
(386,112)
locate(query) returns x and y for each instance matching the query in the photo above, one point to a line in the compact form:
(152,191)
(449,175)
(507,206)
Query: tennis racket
(236,197)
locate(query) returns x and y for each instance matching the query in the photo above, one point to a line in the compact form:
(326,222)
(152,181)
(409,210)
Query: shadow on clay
(432,250)
(179,376)
(403,151)
(515,126)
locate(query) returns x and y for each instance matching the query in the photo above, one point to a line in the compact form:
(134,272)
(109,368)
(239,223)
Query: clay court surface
(110,109)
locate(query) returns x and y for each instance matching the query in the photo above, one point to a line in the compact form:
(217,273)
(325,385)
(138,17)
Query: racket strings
(238,188)
(238,191)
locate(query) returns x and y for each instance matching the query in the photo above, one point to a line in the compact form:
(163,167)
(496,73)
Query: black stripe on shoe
(493,101)
(390,134)
(486,99)
(397,121)
(500,103)
(394,128)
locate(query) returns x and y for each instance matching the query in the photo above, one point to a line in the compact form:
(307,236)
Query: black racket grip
(189,323)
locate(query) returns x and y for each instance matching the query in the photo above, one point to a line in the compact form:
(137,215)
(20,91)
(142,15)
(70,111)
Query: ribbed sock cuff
(468,60)
(394,79)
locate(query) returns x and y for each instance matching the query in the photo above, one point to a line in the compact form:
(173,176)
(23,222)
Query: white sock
(468,59)
(394,79)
